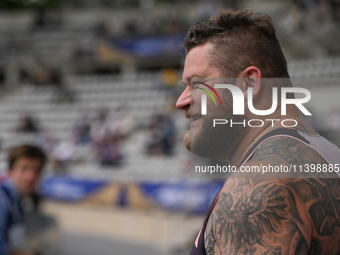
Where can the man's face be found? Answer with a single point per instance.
(203, 139)
(25, 174)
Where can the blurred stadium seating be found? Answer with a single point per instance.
(117, 54)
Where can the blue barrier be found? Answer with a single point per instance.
(67, 188)
(181, 195)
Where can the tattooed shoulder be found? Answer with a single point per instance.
(286, 150)
(277, 216)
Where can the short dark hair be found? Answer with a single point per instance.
(240, 39)
(26, 151)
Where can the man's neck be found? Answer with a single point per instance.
(253, 134)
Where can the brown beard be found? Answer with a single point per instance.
(186, 140)
(218, 142)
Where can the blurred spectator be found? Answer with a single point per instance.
(105, 138)
(123, 126)
(46, 76)
(25, 164)
(62, 155)
(109, 153)
(28, 124)
(162, 138)
(81, 131)
(39, 76)
(102, 126)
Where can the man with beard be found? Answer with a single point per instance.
(295, 213)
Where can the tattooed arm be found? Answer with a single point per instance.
(277, 216)
(258, 217)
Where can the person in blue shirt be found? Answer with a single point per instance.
(24, 169)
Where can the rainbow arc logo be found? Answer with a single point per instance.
(209, 93)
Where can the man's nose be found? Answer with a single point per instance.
(184, 100)
(31, 175)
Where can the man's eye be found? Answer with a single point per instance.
(197, 84)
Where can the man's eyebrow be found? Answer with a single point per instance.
(193, 76)
(196, 76)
